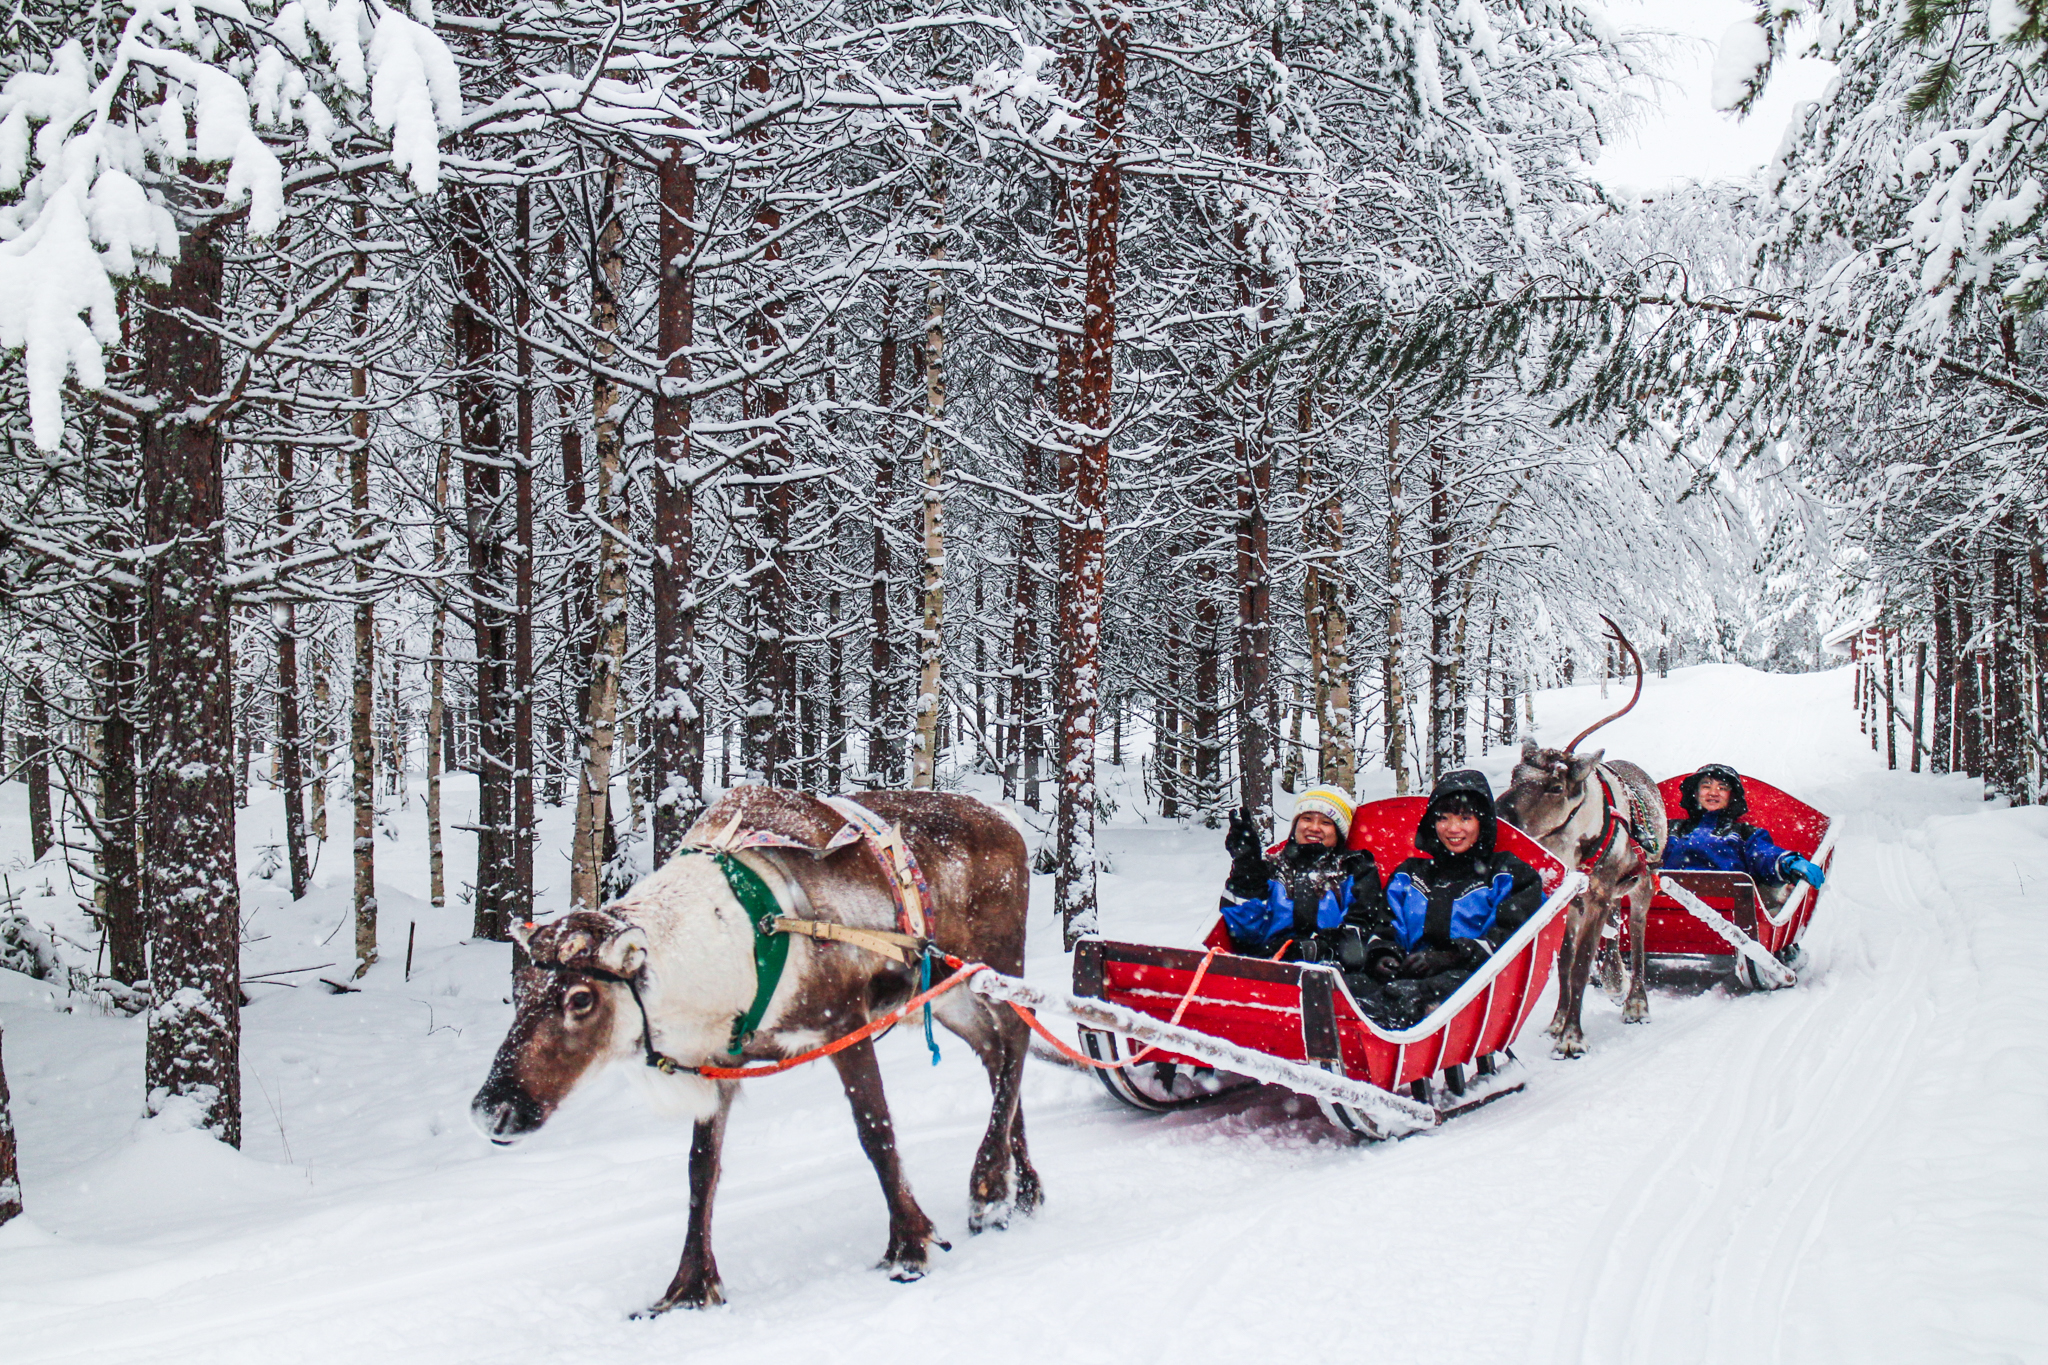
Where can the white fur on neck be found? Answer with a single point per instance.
(700, 974)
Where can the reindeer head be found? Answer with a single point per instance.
(571, 1012)
(1546, 787)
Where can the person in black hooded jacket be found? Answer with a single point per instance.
(1444, 914)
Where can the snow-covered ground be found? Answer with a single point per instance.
(1852, 1170)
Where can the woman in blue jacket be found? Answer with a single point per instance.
(1713, 837)
(1447, 912)
(1307, 891)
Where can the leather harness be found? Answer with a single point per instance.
(736, 853)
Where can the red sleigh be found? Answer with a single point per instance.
(1453, 1061)
(1776, 918)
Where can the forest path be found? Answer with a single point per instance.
(1843, 1171)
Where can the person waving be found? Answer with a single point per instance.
(1296, 901)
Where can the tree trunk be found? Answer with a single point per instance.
(1027, 733)
(363, 675)
(2037, 568)
(323, 741)
(35, 758)
(1392, 689)
(930, 640)
(291, 740)
(1941, 753)
(480, 430)
(1969, 689)
(2004, 737)
(1891, 717)
(594, 788)
(577, 624)
(1088, 497)
(363, 672)
(835, 713)
(193, 1052)
(676, 746)
(519, 892)
(121, 884)
(882, 760)
(1919, 698)
(1441, 759)
(437, 673)
(1254, 460)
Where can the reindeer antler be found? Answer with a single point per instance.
(1634, 658)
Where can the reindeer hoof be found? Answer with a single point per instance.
(1637, 1011)
(993, 1216)
(1569, 1045)
(704, 1295)
(903, 1270)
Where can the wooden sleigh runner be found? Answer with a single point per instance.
(1304, 1018)
(1758, 933)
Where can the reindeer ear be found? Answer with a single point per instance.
(1531, 750)
(522, 934)
(626, 952)
(1583, 765)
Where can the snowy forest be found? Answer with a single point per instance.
(619, 403)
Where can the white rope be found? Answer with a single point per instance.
(1768, 967)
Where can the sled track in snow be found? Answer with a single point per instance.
(1706, 1230)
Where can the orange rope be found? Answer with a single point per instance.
(963, 971)
(867, 1030)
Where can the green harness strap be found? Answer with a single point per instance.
(771, 948)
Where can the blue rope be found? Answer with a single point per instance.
(924, 983)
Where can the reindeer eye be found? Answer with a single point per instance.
(580, 1000)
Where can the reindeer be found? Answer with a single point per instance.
(1606, 819)
(662, 973)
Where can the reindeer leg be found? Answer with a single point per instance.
(1637, 1008)
(696, 1284)
(910, 1232)
(1567, 959)
(1571, 990)
(1030, 1193)
(998, 1037)
(1608, 967)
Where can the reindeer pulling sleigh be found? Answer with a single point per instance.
(795, 928)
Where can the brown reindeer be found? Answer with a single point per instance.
(680, 945)
(1606, 819)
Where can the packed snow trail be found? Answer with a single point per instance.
(1845, 1171)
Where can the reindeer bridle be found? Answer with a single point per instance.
(660, 1061)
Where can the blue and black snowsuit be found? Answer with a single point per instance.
(1304, 892)
(1445, 913)
(1719, 841)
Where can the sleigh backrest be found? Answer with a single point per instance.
(1388, 829)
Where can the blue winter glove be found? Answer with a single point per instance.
(1330, 910)
(1472, 913)
(1799, 867)
(1410, 906)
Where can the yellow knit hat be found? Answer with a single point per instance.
(1330, 801)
